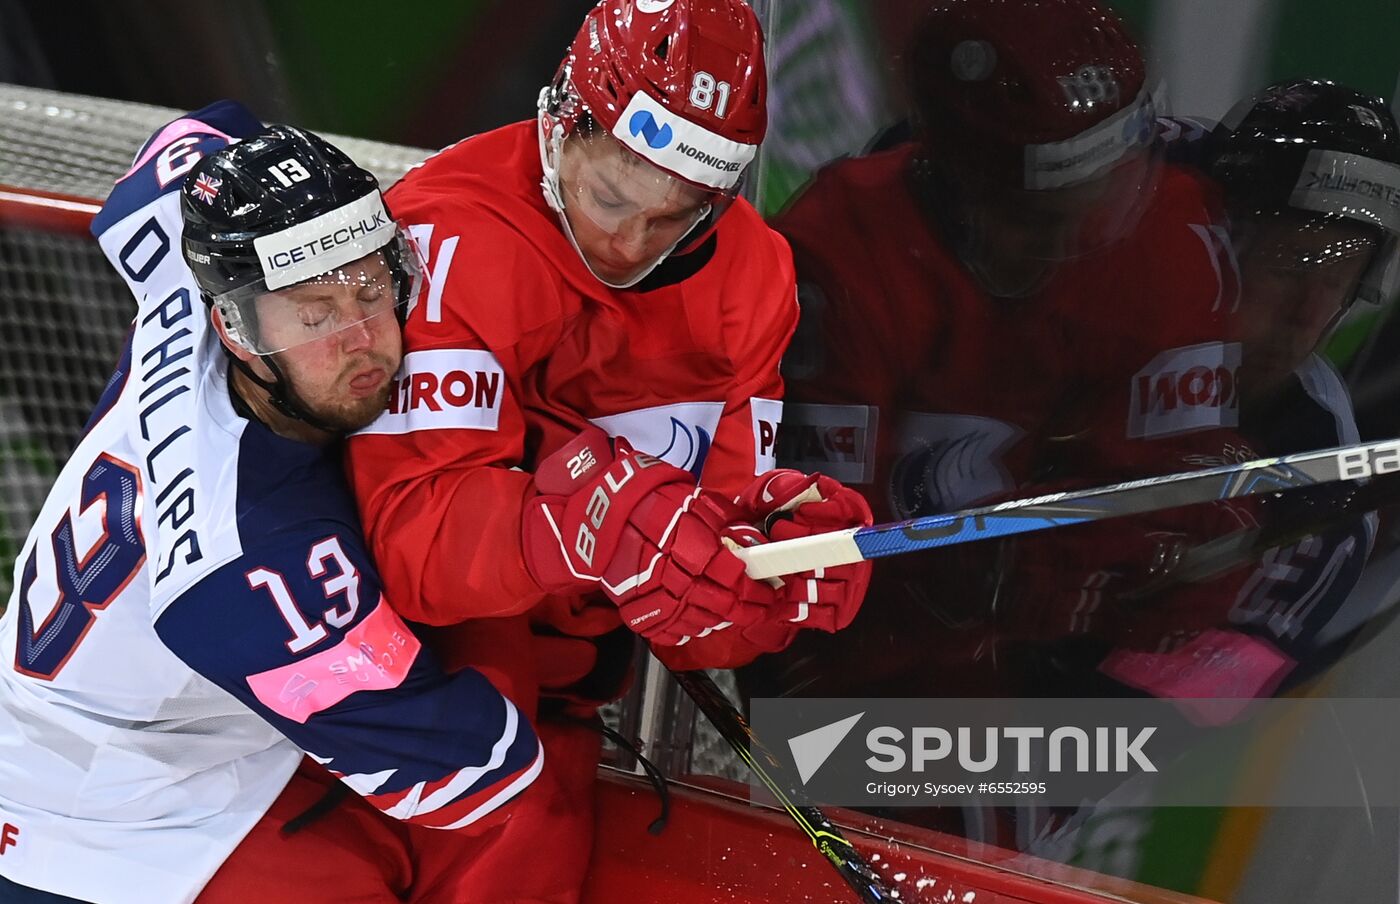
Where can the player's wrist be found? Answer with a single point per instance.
(595, 500)
(544, 548)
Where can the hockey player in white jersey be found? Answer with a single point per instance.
(194, 611)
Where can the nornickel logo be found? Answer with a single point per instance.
(644, 124)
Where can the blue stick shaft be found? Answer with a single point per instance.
(1266, 475)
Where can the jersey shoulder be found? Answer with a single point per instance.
(161, 164)
(854, 211)
(282, 485)
(498, 266)
(841, 191)
(488, 183)
(1181, 250)
(747, 241)
(751, 284)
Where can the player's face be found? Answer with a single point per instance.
(1016, 238)
(1014, 242)
(625, 214)
(342, 341)
(1297, 274)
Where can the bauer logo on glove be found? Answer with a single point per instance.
(661, 548)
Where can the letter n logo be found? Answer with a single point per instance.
(644, 124)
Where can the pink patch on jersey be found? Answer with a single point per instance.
(1223, 670)
(374, 655)
(177, 129)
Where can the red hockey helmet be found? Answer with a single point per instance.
(678, 86)
(1036, 106)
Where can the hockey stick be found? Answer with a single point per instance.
(827, 838)
(1214, 557)
(1265, 475)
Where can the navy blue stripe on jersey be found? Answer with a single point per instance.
(182, 143)
(115, 384)
(397, 745)
(11, 893)
(297, 630)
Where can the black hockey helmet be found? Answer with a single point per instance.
(282, 207)
(1323, 150)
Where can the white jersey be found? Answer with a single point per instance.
(193, 609)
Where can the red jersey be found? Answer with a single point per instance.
(892, 321)
(1122, 349)
(908, 379)
(513, 346)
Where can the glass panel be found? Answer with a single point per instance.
(1031, 261)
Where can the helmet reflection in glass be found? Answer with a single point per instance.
(1037, 133)
(1311, 174)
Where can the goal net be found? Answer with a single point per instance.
(63, 310)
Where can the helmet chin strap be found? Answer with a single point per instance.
(279, 394)
(551, 149)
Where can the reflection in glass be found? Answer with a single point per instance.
(1039, 280)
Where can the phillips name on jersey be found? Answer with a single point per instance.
(194, 611)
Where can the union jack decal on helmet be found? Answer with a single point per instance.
(206, 188)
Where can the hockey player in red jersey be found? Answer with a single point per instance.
(1144, 358)
(602, 329)
(1305, 169)
(996, 301)
(1025, 297)
(1026, 253)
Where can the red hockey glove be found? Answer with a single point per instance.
(642, 532)
(789, 504)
